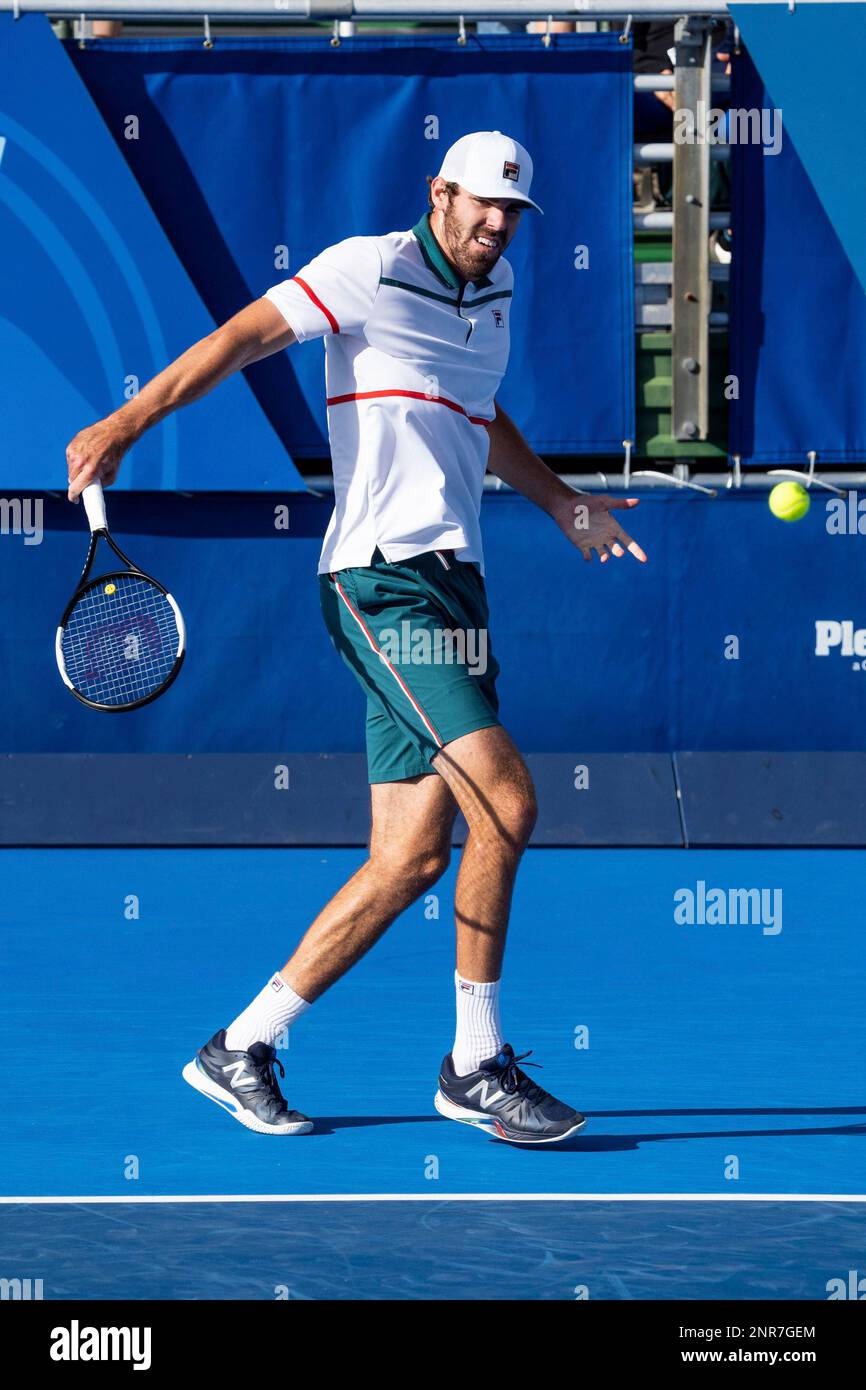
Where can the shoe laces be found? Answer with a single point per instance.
(516, 1082)
(263, 1069)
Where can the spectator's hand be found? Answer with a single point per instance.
(95, 454)
(668, 99)
(587, 522)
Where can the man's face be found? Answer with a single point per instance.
(475, 231)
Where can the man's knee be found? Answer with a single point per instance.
(519, 810)
(508, 813)
(493, 786)
(417, 865)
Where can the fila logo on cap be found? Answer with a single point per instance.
(510, 171)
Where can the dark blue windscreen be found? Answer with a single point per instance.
(262, 144)
(798, 311)
(93, 299)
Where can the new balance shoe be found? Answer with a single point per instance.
(502, 1100)
(244, 1084)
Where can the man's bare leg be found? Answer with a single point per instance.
(410, 846)
(480, 1083)
(494, 790)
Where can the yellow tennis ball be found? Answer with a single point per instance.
(789, 501)
(111, 588)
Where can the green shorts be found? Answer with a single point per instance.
(416, 635)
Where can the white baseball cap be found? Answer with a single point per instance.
(490, 165)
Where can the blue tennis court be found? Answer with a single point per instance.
(712, 1061)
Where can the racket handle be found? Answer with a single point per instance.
(94, 505)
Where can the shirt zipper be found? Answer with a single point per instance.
(468, 322)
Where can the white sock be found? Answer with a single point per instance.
(479, 1034)
(270, 1014)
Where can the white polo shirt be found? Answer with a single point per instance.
(413, 360)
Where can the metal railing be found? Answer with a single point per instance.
(373, 9)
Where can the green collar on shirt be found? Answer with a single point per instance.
(433, 255)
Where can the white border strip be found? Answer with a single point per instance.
(447, 1197)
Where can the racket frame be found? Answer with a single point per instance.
(98, 533)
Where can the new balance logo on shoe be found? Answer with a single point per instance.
(486, 1099)
(241, 1075)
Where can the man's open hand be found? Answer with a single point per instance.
(589, 523)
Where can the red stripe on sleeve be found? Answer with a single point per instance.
(335, 327)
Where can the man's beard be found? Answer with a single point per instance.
(469, 256)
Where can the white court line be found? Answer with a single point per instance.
(450, 1197)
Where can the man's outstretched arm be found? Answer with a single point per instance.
(584, 518)
(256, 332)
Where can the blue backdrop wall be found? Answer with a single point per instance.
(797, 49)
(712, 645)
(305, 144)
(798, 309)
(258, 145)
(93, 298)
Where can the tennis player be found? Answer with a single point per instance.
(416, 325)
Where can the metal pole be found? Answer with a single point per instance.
(665, 82)
(691, 219)
(651, 480)
(658, 152)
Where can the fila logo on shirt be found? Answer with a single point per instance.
(511, 171)
(497, 318)
(241, 1075)
(486, 1099)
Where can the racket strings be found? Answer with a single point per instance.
(120, 641)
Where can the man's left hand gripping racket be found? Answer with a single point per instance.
(121, 640)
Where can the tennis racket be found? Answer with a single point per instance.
(121, 639)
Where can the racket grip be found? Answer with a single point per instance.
(94, 505)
